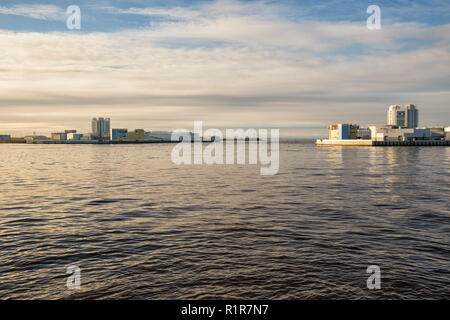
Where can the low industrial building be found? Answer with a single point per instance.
(18, 140)
(447, 133)
(364, 134)
(437, 133)
(136, 135)
(87, 137)
(60, 136)
(35, 139)
(158, 136)
(343, 131)
(5, 138)
(117, 134)
(74, 136)
(394, 133)
(348, 132)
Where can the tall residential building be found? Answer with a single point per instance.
(101, 128)
(405, 117)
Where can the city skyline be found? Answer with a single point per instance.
(297, 67)
(406, 116)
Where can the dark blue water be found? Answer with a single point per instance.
(140, 227)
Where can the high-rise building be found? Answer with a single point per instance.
(107, 128)
(101, 128)
(412, 116)
(94, 126)
(404, 117)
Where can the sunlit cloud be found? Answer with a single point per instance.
(36, 11)
(244, 65)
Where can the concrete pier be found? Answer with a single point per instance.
(349, 142)
(354, 142)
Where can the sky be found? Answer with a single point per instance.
(161, 65)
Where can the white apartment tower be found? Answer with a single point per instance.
(101, 128)
(404, 117)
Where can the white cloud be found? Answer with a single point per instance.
(264, 23)
(268, 72)
(209, 10)
(36, 11)
(176, 13)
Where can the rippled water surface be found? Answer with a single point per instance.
(140, 227)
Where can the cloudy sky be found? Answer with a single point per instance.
(293, 65)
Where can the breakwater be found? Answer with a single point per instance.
(371, 143)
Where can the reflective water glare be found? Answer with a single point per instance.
(140, 227)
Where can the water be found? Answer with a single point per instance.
(140, 227)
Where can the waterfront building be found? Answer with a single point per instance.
(343, 131)
(117, 134)
(18, 140)
(101, 128)
(94, 126)
(447, 133)
(405, 117)
(394, 133)
(35, 139)
(88, 136)
(59, 136)
(5, 138)
(136, 135)
(166, 136)
(437, 133)
(107, 131)
(402, 129)
(364, 133)
(158, 136)
(417, 134)
(74, 136)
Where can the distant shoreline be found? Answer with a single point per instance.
(84, 142)
(373, 143)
